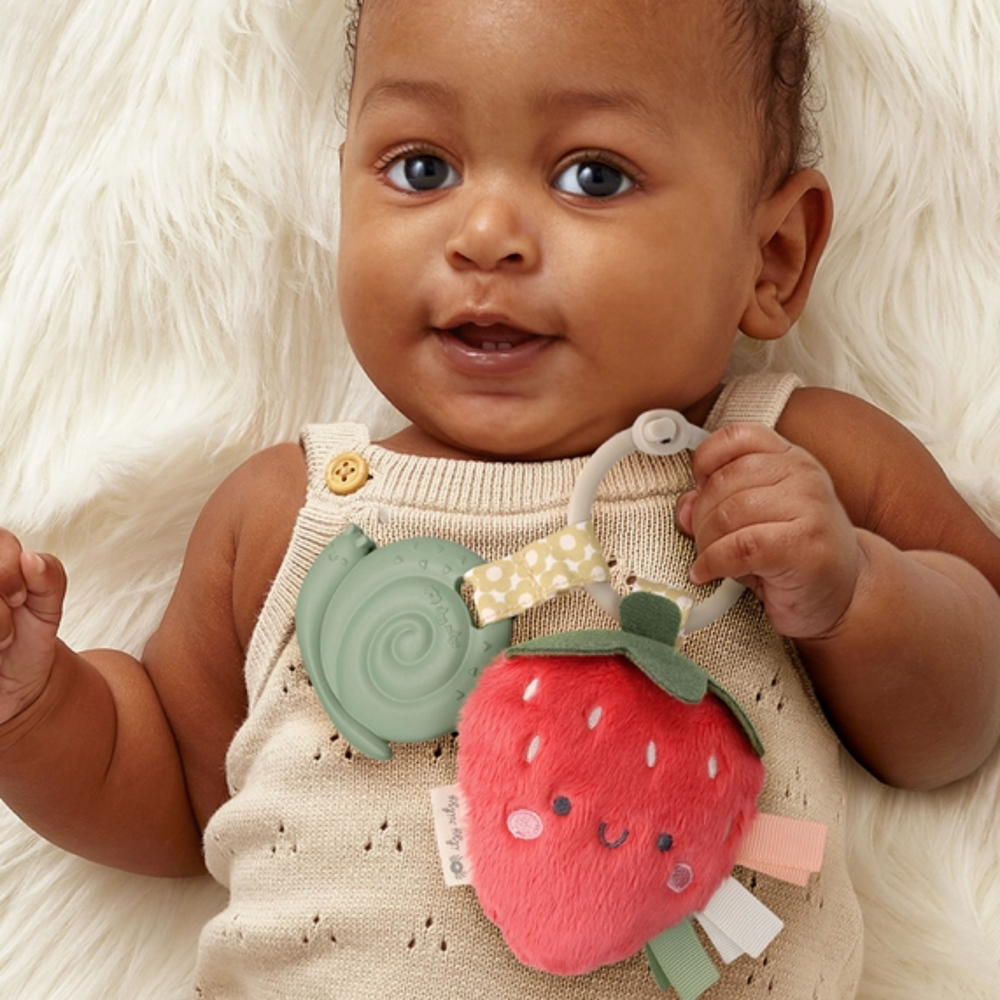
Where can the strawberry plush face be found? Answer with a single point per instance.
(600, 808)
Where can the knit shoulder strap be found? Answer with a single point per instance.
(321, 442)
(753, 399)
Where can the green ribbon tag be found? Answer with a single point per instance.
(677, 958)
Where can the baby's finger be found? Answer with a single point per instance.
(717, 512)
(730, 444)
(684, 512)
(45, 579)
(6, 626)
(13, 590)
(758, 550)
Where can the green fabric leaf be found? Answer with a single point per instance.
(648, 639)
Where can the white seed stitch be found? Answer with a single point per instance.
(713, 767)
(533, 747)
(595, 717)
(531, 690)
(651, 754)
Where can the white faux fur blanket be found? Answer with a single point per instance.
(168, 205)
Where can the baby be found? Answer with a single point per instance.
(556, 216)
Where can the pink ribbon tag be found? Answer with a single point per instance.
(787, 849)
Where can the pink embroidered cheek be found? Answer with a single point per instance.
(525, 824)
(680, 878)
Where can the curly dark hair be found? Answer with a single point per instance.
(772, 42)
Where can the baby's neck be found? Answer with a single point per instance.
(413, 440)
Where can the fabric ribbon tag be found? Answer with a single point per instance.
(784, 848)
(568, 558)
(678, 959)
(738, 923)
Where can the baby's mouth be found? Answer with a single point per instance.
(492, 338)
(491, 347)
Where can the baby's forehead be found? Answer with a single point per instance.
(643, 20)
(662, 34)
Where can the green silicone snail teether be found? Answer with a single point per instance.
(387, 640)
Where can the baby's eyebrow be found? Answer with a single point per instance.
(557, 103)
(393, 89)
(567, 102)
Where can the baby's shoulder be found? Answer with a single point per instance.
(853, 439)
(871, 457)
(251, 517)
(266, 489)
(275, 474)
(887, 480)
(267, 492)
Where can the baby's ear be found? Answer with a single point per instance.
(792, 226)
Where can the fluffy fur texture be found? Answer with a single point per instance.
(167, 244)
(600, 810)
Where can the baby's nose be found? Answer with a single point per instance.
(492, 234)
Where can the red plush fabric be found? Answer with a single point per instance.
(599, 809)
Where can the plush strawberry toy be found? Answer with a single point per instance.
(608, 782)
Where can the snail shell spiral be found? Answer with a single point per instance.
(388, 641)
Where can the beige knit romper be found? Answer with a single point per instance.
(335, 885)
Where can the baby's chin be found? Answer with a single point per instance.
(542, 438)
(487, 446)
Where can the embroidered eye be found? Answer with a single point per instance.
(664, 842)
(561, 806)
(593, 179)
(422, 172)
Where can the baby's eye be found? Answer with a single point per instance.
(593, 179)
(422, 172)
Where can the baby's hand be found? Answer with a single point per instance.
(32, 588)
(766, 513)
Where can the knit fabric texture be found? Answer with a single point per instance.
(335, 885)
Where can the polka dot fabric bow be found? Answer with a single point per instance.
(568, 558)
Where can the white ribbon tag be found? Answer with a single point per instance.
(741, 921)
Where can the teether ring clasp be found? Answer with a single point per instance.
(655, 432)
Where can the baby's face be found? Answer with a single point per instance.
(546, 224)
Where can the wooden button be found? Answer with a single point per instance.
(346, 473)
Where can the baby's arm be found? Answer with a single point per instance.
(121, 761)
(863, 553)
